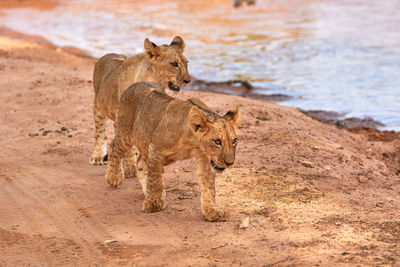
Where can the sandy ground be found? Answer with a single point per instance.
(314, 194)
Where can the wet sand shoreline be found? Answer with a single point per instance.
(244, 88)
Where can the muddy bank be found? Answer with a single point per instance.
(236, 87)
(300, 193)
(340, 121)
(246, 89)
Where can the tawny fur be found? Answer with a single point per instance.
(165, 129)
(114, 73)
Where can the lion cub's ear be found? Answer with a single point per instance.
(233, 115)
(178, 43)
(198, 122)
(151, 50)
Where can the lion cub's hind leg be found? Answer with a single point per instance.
(141, 174)
(100, 150)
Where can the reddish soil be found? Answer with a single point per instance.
(314, 194)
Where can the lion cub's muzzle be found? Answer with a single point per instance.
(176, 87)
(173, 87)
(216, 167)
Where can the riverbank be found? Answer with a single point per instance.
(346, 61)
(246, 89)
(314, 194)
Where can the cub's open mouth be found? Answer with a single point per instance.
(173, 86)
(216, 167)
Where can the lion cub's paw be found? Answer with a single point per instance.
(216, 215)
(99, 159)
(114, 178)
(154, 205)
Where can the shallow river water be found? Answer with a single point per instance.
(335, 55)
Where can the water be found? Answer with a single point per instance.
(336, 55)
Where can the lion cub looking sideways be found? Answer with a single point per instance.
(114, 73)
(165, 129)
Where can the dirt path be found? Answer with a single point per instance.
(314, 194)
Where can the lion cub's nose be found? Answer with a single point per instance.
(186, 81)
(228, 163)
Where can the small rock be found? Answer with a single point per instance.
(315, 148)
(44, 133)
(244, 223)
(183, 198)
(64, 129)
(362, 179)
(108, 241)
(345, 253)
(220, 246)
(257, 122)
(307, 164)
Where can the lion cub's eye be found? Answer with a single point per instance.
(174, 64)
(218, 142)
(234, 142)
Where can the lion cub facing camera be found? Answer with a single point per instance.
(165, 129)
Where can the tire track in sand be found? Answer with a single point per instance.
(37, 212)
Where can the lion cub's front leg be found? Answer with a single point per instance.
(154, 199)
(207, 183)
